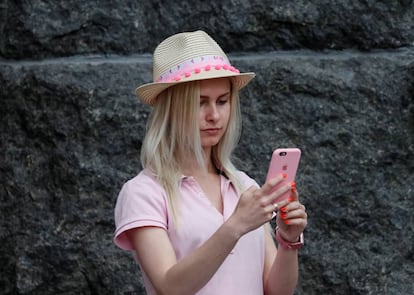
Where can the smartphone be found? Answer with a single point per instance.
(284, 160)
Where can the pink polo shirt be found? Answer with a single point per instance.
(143, 202)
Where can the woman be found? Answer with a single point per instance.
(195, 223)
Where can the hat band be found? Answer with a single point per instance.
(195, 66)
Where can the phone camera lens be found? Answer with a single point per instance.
(282, 154)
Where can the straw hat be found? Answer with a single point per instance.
(185, 57)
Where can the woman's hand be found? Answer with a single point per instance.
(292, 218)
(256, 205)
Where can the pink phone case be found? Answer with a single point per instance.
(284, 161)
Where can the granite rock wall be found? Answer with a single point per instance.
(334, 78)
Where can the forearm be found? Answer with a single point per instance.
(283, 275)
(191, 273)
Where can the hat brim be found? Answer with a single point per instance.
(148, 92)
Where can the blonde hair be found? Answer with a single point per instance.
(173, 136)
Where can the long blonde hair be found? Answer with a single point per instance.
(173, 136)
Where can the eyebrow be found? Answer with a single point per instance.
(220, 96)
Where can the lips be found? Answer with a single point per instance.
(211, 131)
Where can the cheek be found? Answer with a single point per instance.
(225, 113)
(201, 115)
(201, 118)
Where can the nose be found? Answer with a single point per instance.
(212, 112)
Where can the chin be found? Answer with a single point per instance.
(209, 143)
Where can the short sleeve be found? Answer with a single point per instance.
(141, 202)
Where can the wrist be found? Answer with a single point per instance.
(233, 229)
(288, 244)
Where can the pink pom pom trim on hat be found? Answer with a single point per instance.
(195, 66)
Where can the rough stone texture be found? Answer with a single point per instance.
(353, 117)
(39, 28)
(71, 129)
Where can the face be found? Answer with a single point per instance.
(214, 110)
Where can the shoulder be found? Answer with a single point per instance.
(144, 180)
(141, 192)
(141, 202)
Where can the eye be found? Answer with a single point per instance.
(223, 100)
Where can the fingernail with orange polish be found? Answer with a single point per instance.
(284, 175)
(293, 184)
(286, 221)
(283, 209)
(291, 199)
(283, 215)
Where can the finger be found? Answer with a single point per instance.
(275, 207)
(272, 183)
(272, 210)
(280, 194)
(295, 213)
(290, 214)
(302, 222)
(251, 190)
(293, 206)
(292, 210)
(281, 205)
(294, 196)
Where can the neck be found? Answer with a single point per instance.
(192, 167)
